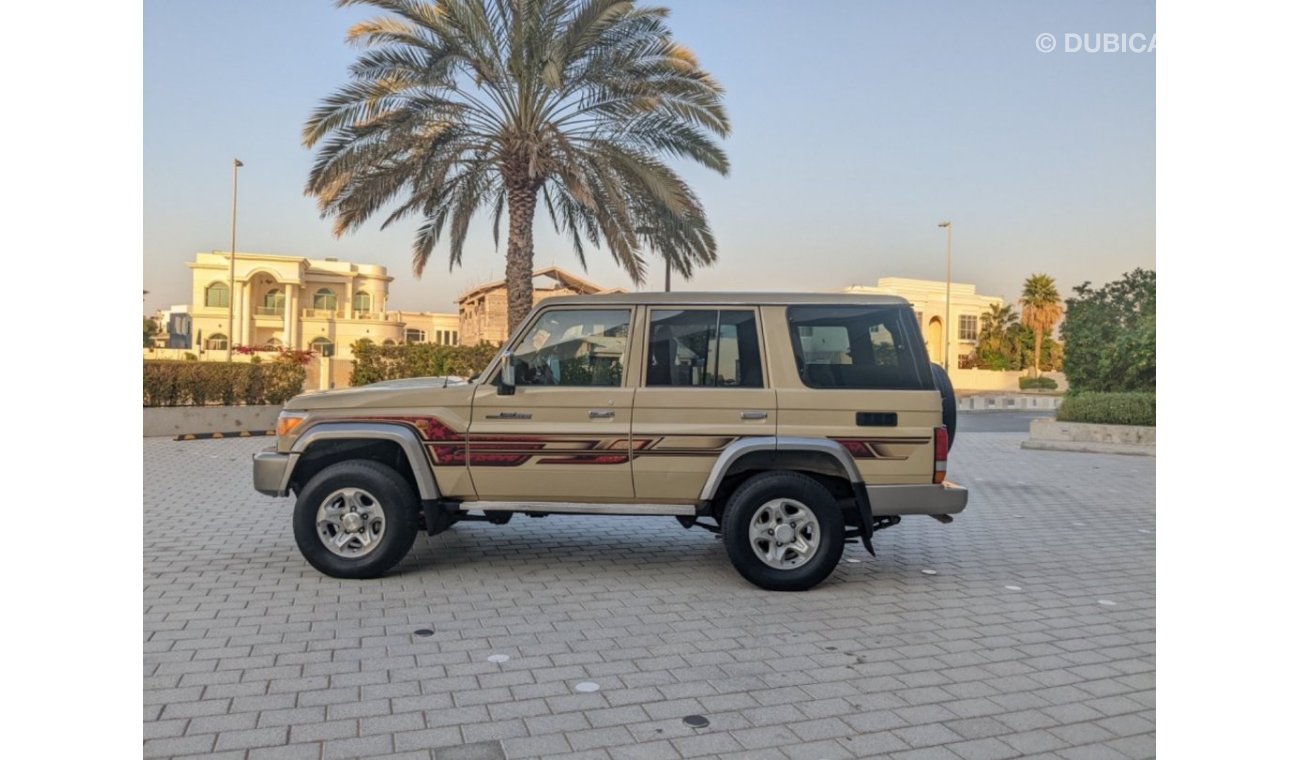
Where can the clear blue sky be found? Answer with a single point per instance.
(858, 126)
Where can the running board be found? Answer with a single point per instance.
(565, 508)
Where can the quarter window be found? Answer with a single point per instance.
(856, 347)
(574, 347)
(703, 349)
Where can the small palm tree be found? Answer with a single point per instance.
(994, 324)
(1040, 310)
(467, 105)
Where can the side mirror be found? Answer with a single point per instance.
(506, 381)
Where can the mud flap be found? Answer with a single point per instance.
(864, 510)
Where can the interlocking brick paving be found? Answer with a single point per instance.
(250, 653)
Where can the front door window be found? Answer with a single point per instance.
(574, 348)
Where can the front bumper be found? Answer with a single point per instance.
(920, 499)
(271, 471)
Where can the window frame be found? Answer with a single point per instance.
(642, 380)
(974, 330)
(370, 302)
(493, 374)
(316, 296)
(208, 297)
(909, 337)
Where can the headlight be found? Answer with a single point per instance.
(287, 421)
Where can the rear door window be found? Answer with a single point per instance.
(863, 347)
(703, 349)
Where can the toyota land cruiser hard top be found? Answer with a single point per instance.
(786, 422)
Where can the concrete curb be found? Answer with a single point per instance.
(194, 420)
(1052, 435)
(1090, 447)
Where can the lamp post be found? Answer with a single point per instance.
(230, 295)
(947, 297)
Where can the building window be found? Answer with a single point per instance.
(323, 346)
(325, 300)
(272, 302)
(217, 342)
(361, 302)
(455, 338)
(217, 294)
(415, 336)
(389, 342)
(967, 327)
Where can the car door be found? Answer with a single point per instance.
(703, 385)
(563, 433)
(858, 375)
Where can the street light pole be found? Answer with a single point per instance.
(947, 297)
(230, 295)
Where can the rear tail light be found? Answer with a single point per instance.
(940, 454)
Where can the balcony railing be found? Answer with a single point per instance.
(269, 311)
(320, 313)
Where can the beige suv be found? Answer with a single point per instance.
(787, 423)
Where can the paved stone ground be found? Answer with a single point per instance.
(249, 653)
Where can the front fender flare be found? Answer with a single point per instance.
(403, 436)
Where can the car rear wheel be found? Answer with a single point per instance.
(783, 531)
(355, 519)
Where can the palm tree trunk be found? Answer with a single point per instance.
(522, 198)
(1038, 349)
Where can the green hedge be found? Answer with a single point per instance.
(186, 383)
(1037, 383)
(1131, 408)
(372, 363)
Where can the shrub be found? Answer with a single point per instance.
(372, 363)
(194, 383)
(1037, 383)
(1131, 408)
(1111, 334)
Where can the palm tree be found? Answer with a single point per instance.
(994, 324)
(465, 105)
(1040, 310)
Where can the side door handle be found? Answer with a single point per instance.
(753, 415)
(600, 414)
(510, 416)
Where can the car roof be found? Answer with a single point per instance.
(727, 299)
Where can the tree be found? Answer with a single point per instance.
(1111, 332)
(467, 105)
(991, 348)
(1040, 310)
(150, 330)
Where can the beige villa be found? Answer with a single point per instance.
(928, 299)
(483, 308)
(323, 305)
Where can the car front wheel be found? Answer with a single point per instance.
(355, 519)
(783, 531)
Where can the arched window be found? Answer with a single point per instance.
(323, 346)
(217, 294)
(361, 302)
(217, 342)
(389, 342)
(325, 300)
(273, 302)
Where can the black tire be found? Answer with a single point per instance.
(944, 385)
(754, 495)
(397, 526)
